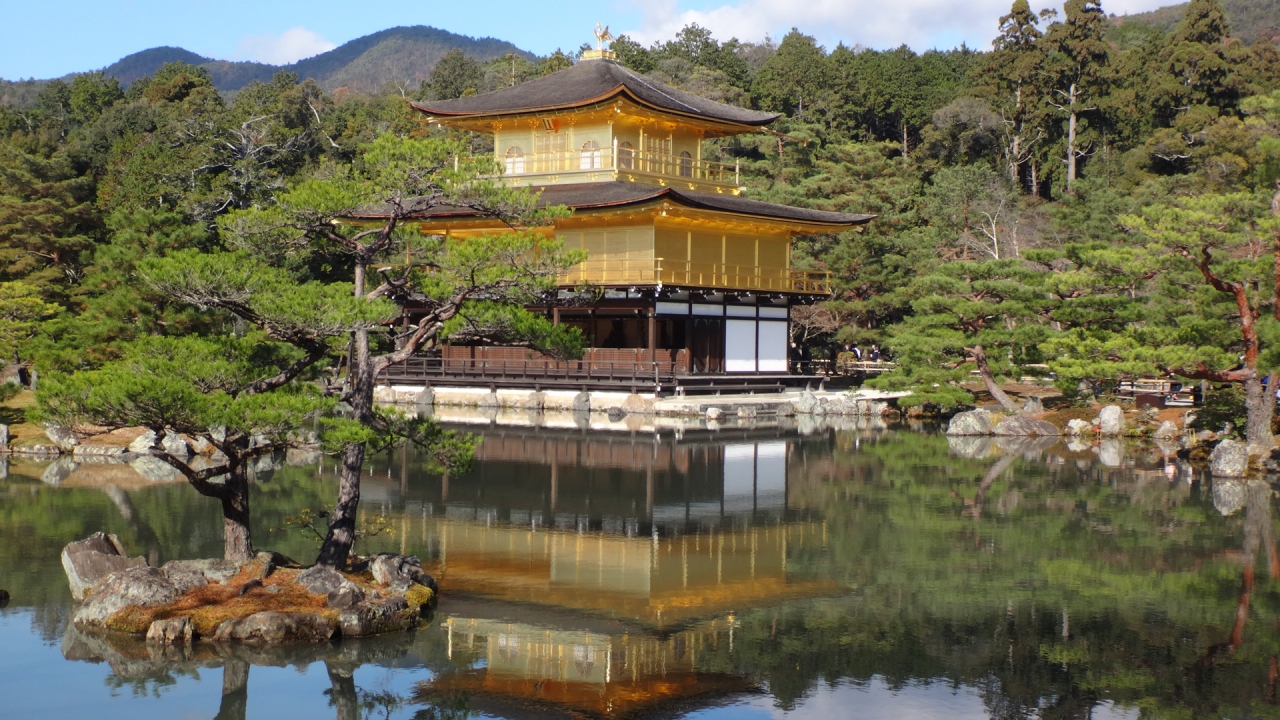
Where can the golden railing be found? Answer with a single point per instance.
(712, 275)
(620, 159)
(680, 168)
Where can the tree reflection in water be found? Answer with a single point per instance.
(684, 571)
(235, 691)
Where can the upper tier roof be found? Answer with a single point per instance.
(588, 82)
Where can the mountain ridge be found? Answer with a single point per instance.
(1250, 20)
(365, 64)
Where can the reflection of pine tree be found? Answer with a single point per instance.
(235, 690)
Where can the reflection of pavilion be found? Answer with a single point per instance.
(578, 670)
(660, 533)
(655, 581)
(626, 484)
(625, 560)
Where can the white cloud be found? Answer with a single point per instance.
(921, 24)
(287, 47)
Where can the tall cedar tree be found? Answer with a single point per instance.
(1014, 73)
(1079, 72)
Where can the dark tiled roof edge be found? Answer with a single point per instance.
(619, 194)
(589, 82)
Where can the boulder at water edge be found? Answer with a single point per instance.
(1022, 425)
(275, 628)
(137, 586)
(143, 443)
(1077, 426)
(1167, 431)
(635, 404)
(97, 556)
(1230, 459)
(64, 438)
(425, 400)
(175, 445)
(805, 404)
(974, 422)
(170, 631)
(1111, 420)
(399, 571)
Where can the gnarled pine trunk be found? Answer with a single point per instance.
(342, 524)
(1260, 406)
(984, 370)
(237, 544)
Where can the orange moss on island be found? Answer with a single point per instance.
(210, 605)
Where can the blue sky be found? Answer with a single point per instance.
(53, 38)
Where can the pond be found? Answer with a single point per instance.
(748, 571)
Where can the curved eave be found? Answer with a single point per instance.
(819, 225)
(808, 226)
(618, 91)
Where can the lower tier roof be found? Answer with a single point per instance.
(590, 196)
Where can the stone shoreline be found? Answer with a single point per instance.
(267, 600)
(1226, 457)
(806, 402)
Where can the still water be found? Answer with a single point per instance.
(737, 572)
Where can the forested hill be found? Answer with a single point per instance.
(1072, 200)
(1250, 19)
(361, 65)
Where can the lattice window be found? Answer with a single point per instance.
(686, 164)
(592, 158)
(626, 156)
(549, 150)
(515, 160)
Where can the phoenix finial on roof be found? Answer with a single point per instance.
(602, 36)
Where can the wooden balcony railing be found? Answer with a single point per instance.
(623, 160)
(604, 367)
(710, 275)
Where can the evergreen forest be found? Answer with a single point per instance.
(1090, 199)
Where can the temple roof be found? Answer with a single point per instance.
(589, 82)
(590, 196)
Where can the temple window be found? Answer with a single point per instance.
(591, 156)
(515, 160)
(626, 156)
(686, 164)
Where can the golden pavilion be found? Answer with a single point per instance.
(697, 281)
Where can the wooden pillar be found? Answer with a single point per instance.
(700, 174)
(653, 335)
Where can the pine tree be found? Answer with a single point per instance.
(476, 288)
(238, 394)
(985, 316)
(1184, 296)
